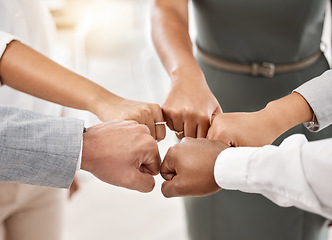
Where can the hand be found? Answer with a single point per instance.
(244, 129)
(262, 127)
(189, 108)
(121, 153)
(188, 168)
(141, 112)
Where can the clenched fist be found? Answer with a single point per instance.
(122, 153)
(188, 168)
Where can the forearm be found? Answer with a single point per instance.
(287, 112)
(28, 71)
(38, 149)
(172, 41)
(313, 97)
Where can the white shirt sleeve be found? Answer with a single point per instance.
(318, 93)
(297, 173)
(5, 39)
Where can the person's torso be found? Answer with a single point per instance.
(260, 30)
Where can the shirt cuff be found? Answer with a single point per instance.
(317, 92)
(79, 161)
(231, 168)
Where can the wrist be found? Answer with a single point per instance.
(187, 74)
(101, 101)
(288, 112)
(85, 160)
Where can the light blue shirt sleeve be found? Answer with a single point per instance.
(38, 149)
(318, 93)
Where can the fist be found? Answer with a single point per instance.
(188, 168)
(122, 153)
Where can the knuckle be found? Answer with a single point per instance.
(137, 116)
(189, 113)
(204, 119)
(143, 128)
(171, 151)
(147, 109)
(155, 106)
(149, 144)
(132, 122)
(172, 112)
(186, 140)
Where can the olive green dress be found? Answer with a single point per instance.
(246, 31)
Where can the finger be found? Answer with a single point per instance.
(143, 182)
(210, 133)
(216, 112)
(178, 125)
(142, 128)
(213, 134)
(125, 122)
(169, 188)
(160, 132)
(202, 129)
(179, 135)
(149, 121)
(167, 169)
(190, 129)
(168, 119)
(179, 128)
(151, 165)
(160, 129)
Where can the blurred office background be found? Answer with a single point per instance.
(108, 41)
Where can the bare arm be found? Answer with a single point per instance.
(28, 71)
(262, 127)
(171, 36)
(190, 104)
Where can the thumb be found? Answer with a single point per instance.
(215, 113)
(148, 157)
(170, 188)
(167, 169)
(210, 133)
(142, 182)
(151, 164)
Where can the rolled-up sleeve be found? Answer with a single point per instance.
(5, 39)
(318, 93)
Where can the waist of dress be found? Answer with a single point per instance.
(264, 69)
